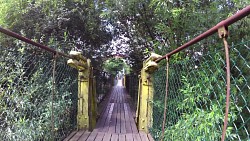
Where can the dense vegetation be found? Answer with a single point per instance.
(133, 28)
(115, 65)
(196, 99)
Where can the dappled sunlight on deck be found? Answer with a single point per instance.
(116, 122)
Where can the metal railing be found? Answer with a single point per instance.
(39, 91)
(38, 94)
(202, 96)
(132, 86)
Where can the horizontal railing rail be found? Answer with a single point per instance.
(197, 83)
(26, 40)
(229, 21)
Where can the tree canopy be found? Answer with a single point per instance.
(137, 27)
(102, 28)
(115, 65)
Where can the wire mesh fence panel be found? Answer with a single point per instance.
(26, 90)
(103, 84)
(132, 83)
(197, 95)
(65, 101)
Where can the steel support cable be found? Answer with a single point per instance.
(228, 85)
(26, 40)
(148, 83)
(165, 100)
(52, 96)
(238, 16)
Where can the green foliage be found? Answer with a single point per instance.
(196, 98)
(198, 126)
(161, 26)
(70, 25)
(26, 96)
(196, 85)
(114, 65)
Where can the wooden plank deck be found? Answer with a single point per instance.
(115, 124)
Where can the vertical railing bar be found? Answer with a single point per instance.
(165, 100)
(223, 33)
(52, 97)
(228, 89)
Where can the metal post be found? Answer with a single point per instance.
(145, 94)
(85, 117)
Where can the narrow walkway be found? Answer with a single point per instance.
(115, 124)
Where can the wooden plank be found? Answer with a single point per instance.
(137, 137)
(101, 121)
(113, 120)
(114, 137)
(120, 95)
(92, 136)
(111, 100)
(70, 136)
(77, 135)
(116, 96)
(123, 95)
(121, 137)
(84, 136)
(150, 138)
(132, 121)
(129, 137)
(127, 119)
(118, 119)
(143, 136)
(105, 127)
(99, 136)
(133, 109)
(107, 137)
(115, 100)
(123, 122)
(107, 114)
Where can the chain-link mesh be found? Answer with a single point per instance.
(197, 94)
(103, 84)
(26, 89)
(132, 83)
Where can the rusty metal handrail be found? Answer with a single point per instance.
(239, 15)
(221, 28)
(26, 40)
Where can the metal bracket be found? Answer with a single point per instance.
(223, 32)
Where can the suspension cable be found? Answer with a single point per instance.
(52, 96)
(26, 40)
(165, 101)
(223, 33)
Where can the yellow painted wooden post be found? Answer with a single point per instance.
(85, 118)
(145, 94)
(124, 81)
(83, 98)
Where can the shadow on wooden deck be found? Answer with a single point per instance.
(116, 122)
